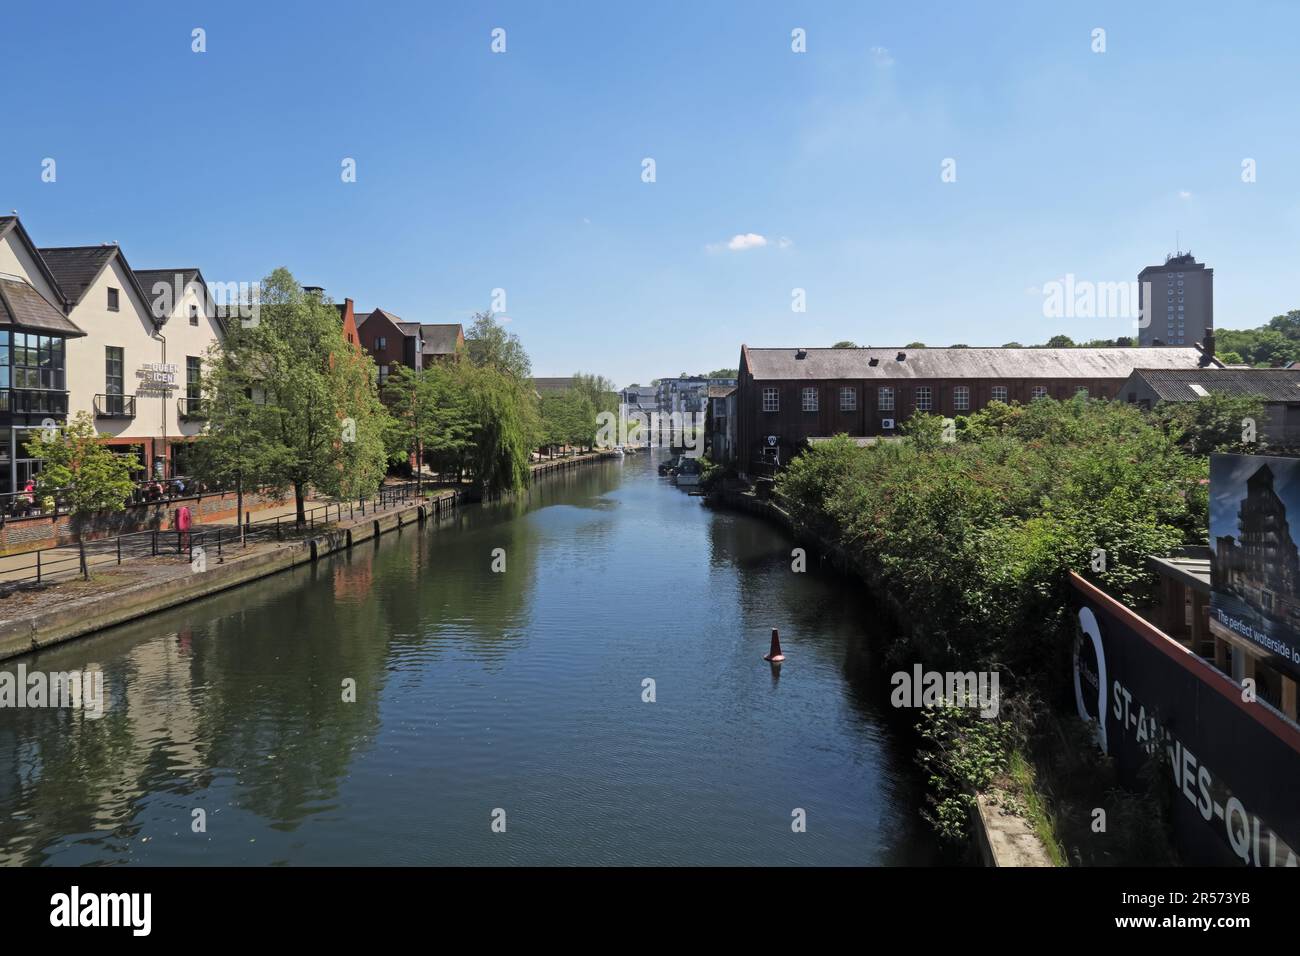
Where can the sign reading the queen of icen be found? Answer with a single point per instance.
(1255, 570)
(1232, 765)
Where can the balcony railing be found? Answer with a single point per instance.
(190, 409)
(33, 401)
(114, 406)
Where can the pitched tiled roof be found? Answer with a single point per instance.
(871, 363)
(441, 339)
(21, 306)
(406, 328)
(1180, 385)
(13, 224)
(150, 277)
(76, 267)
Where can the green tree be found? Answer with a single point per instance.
(429, 415)
(79, 472)
(599, 391)
(490, 344)
(924, 430)
(320, 423)
(728, 372)
(1212, 423)
(1060, 342)
(235, 451)
(568, 418)
(506, 426)
(845, 344)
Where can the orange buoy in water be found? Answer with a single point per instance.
(775, 655)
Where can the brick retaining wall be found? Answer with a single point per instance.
(42, 531)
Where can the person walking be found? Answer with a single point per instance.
(183, 525)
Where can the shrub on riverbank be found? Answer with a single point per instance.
(971, 538)
(969, 534)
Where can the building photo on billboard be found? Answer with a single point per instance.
(1255, 571)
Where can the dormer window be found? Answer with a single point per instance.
(112, 300)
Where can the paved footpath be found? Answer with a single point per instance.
(65, 562)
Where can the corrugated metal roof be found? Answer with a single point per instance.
(1180, 385)
(988, 363)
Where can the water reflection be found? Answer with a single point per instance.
(476, 689)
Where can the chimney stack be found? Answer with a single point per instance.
(1207, 348)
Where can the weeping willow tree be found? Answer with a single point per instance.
(505, 427)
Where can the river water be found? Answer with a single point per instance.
(512, 697)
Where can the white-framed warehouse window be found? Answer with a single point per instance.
(999, 393)
(885, 398)
(924, 398)
(1038, 391)
(848, 399)
(810, 399)
(961, 398)
(771, 400)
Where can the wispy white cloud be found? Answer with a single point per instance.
(1184, 194)
(880, 55)
(744, 241)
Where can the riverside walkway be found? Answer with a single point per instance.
(120, 590)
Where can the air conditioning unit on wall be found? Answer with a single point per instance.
(887, 424)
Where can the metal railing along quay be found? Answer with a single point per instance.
(27, 504)
(205, 542)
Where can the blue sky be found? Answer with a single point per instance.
(1228, 477)
(522, 170)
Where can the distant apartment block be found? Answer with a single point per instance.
(689, 394)
(1177, 302)
(640, 399)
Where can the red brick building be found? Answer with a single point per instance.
(390, 342)
(787, 396)
(348, 317)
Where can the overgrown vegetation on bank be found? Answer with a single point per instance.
(970, 536)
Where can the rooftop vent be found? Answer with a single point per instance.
(873, 361)
(801, 354)
(902, 356)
